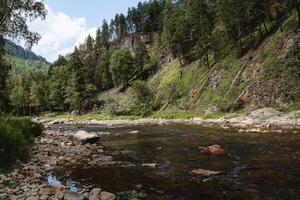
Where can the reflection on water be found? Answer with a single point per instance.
(256, 166)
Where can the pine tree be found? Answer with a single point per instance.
(76, 90)
(202, 23)
(105, 35)
(105, 77)
(89, 61)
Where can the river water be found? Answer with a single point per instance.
(255, 166)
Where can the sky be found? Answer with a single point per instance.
(69, 22)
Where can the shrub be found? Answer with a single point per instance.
(140, 98)
(16, 138)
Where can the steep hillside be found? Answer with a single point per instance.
(20, 52)
(267, 76)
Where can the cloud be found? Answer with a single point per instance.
(60, 33)
(82, 37)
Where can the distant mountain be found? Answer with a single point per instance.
(20, 52)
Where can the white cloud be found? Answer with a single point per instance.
(83, 35)
(60, 33)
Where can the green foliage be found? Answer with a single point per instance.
(76, 87)
(28, 86)
(283, 75)
(15, 13)
(141, 99)
(189, 30)
(4, 74)
(58, 78)
(122, 67)
(289, 108)
(17, 137)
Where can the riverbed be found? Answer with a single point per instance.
(156, 162)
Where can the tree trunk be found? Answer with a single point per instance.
(279, 21)
(266, 29)
(207, 59)
(298, 11)
(260, 32)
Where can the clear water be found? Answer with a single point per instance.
(256, 166)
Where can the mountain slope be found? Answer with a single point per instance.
(266, 76)
(20, 52)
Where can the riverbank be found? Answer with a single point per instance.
(265, 120)
(34, 180)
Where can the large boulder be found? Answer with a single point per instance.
(107, 196)
(83, 137)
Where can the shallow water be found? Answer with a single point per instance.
(256, 166)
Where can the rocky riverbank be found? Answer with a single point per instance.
(265, 120)
(55, 148)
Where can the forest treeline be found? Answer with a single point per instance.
(188, 29)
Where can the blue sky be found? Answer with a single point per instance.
(69, 22)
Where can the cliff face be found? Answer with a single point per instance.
(20, 52)
(132, 41)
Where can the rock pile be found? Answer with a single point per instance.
(29, 181)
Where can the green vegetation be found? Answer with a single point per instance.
(17, 137)
(179, 57)
(121, 67)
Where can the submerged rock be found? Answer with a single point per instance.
(134, 132)
(205, 172)
(213, 150)
(151, 165)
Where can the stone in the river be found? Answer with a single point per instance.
(32, 198)
(213, 150)
(205, 172)
(151, 165)
(47, 190)
(44, 197)
(13, 197)
(95, 194)
(96, 191)
(107, 196)
(159, 148)
(83, 137)
(58, 187)
(134, 132)
(73, 196)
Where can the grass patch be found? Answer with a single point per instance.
(180, 114)
(17, 137)
(89, 116)
(290, 108)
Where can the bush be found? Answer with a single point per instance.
(140, 99)
(17, 137)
